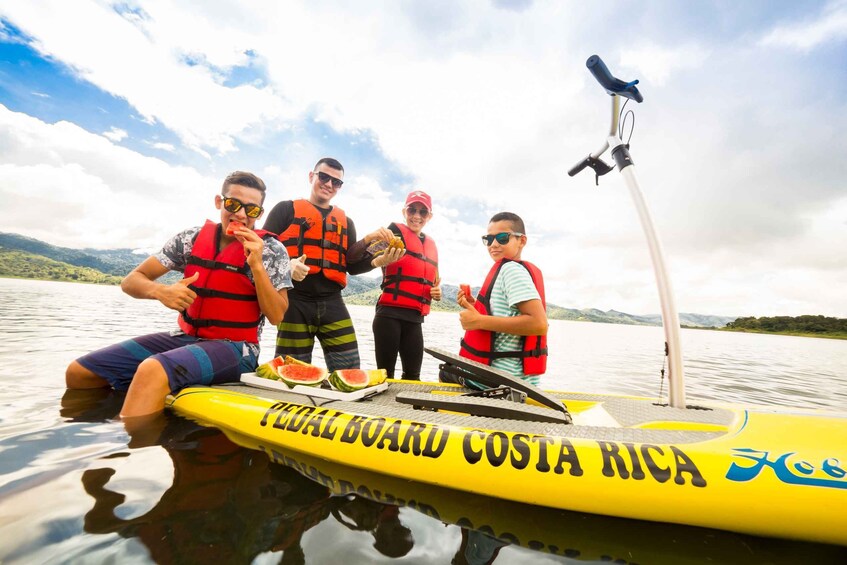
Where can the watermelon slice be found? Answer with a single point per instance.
(289, 360)
(295, 374)
(349, 380)
(233, 226)
(268, 370)
(466, 290)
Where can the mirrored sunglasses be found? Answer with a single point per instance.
(233, 205)
(502, 238)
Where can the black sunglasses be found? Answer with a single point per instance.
(233, 205)
(422, 212)
(325, 178)
(502, 237)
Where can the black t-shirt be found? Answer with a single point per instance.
(318, 287)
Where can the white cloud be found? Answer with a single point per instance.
(485, 109)
(829, 26)
(73, 188)
(163, 146)
(146, 66)
(115, 134)
(656, 64)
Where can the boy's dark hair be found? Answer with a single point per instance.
(330, 162)
(517, 222)
(242, 178)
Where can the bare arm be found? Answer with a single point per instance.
(141, 283)
(532, 319)
(272, 302)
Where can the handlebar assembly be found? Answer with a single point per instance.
(616, 88)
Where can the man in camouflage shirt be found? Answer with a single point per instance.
(235, 278)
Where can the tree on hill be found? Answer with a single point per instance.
(24, 265)
(787, 324)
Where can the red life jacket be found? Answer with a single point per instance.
(479, 344)
(226, 306)
(324, 241)
(407, 283)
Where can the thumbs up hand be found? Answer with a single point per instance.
(470, 318)
(179, 295)
(299, 269)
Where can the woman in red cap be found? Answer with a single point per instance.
(408, 287)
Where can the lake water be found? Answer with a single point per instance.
(75, 488)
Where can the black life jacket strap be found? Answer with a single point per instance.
(326, 264)
(395, 292)
(392, 280)
(205, 322)
(216, 265)
(537, 352)
(210, 293)
(422, 257)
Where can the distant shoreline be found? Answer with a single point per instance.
(357, 300)
(64, 280)
(795, 334)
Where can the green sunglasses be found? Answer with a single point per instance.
(502, 238)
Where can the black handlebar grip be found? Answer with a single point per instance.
(579, 166)
(612, 85)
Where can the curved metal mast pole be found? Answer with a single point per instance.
(620, 152)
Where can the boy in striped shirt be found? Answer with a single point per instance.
(506, 324)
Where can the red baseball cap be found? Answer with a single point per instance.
(421, 197)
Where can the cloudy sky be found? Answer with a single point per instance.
(118, 121)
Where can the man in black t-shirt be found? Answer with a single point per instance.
(318, 237)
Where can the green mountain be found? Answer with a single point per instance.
(116, 262)
(25, 257)
(20, 264)
(364, 291)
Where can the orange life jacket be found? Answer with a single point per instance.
(324, 241)
(479, 344)
(407, 283)
(226, 306)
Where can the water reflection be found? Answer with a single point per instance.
(477, 548)
(494, 530)
(76, 487)
(226, 503)
(382, 521)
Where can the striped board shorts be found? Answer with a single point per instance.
(187, 360)
(329, 321)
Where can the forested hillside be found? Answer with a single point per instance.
(19, 264)
(821, 326)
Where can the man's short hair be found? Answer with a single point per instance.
(329, 162)
(517, 222)
(242, 178)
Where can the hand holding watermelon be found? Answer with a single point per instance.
(465, 290)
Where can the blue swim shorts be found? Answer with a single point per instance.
(187, 360)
